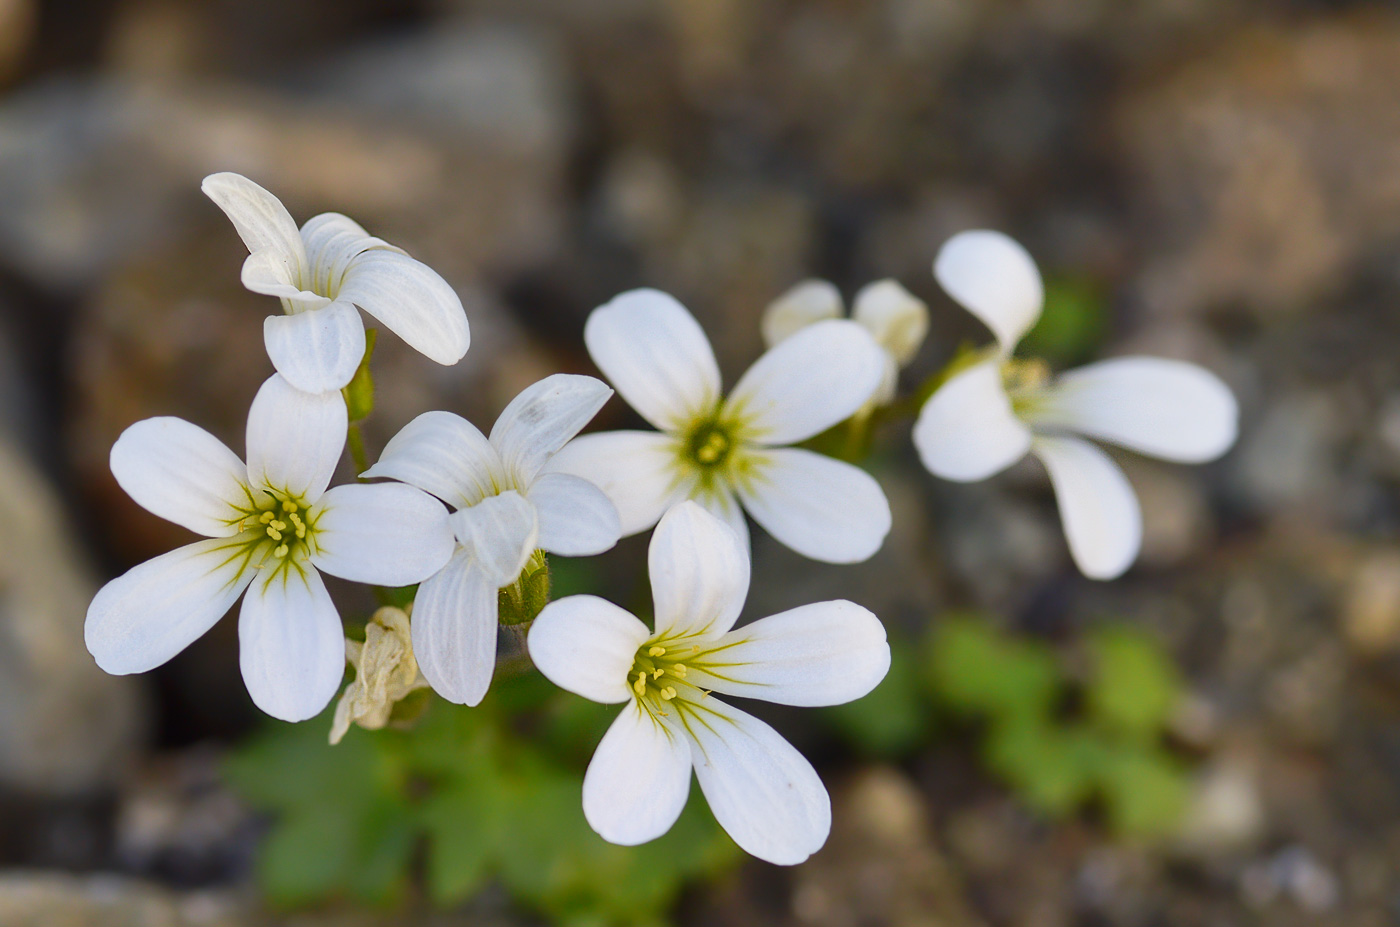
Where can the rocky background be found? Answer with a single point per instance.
(1225, 174)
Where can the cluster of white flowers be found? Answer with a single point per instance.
(470, 518)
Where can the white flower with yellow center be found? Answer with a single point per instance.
(506, 509)
(722, 451)
(272, 527)
(321, 273)
(895, 318)
(990, 414)
(761, 790)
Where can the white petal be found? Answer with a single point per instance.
(260, 218)
(271, 273)
(818, 377)
(294, 439)
(576, 518)
(808, 302)
(183, 474)
(1166, 408)
(587, 645)
(443, 454)
(543, 418)
(995, 279)
(761, 790)
(897, 318)
(158, 608)
(822, 508)
(291, 647)
(699, 573)
(636, 470)
(724, 505)
(411, 300)
(387, 534)
(316, 350)
(656, 355)
(638, 779)
(1103, 522)
(967, 430)
(454, 630)
(332, 242)
(503, 532)
(828, 653)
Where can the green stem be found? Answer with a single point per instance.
(356, 441)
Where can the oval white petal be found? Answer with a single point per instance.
(272, 273)
(316, 350)
(808, 302)
(291, 647)
(411, 300)
(636, 470)
(586, 645)
(1103, 522)
(897, 318)
(817, 378)
(822, 508)
(294, 439)
(443, 454)
(576, 518)
(158, 608)
(387, 534)
(967, 430)
(638, 779)
(762, 791)
(543, 418)
(183, 474)
(1165, 408)
(333, 241)
(828, 653)
(995, 279)
(502, 531)
(724, 505)
(699, 573)
(656, 355)
(260, 218)
(454, 630)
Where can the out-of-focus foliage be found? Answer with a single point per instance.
(1061, 742)
(486, 793)
(1071, 327)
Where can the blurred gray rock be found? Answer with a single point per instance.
(65, 726)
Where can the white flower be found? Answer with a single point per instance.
(760, 789)
(989, 415)
(505, 509)
(385, 674)
(896, 318)
(720, 451)
(321, 273)
(272, 526)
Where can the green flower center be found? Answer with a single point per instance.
(1024, 382)
(284, 524)
(658, 675)
(710, 444)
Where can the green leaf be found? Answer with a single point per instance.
(359, 392)
(895, 719)
(1052, 768)
(1135, 686)
(977, 669)
(1145, 791)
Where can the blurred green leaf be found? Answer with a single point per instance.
(1134, 687)
(978, 669)
(1051, 766)
(359, 392)
(893, 720)
(1071, 326)
(1145, 791)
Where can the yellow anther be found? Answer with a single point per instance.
(679, 670)
(301, 531)
(668, 693)
(278, 524)
(658, 673)
(656, 651)
(281, 551)
(289, 506)
(640, 686)
(274, 533)
(265, 517)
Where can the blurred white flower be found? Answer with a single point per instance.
(721, 451)
(321, 273)
(896, 318)
(990, 414)
(761, 790)
(505, 509)
(385, 673)
(272, 526)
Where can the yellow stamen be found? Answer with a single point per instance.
(668, 693)
(656, 651)
(657, 673)
(265, 517)
(679, 670)
(640, 686)
(280, 551)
